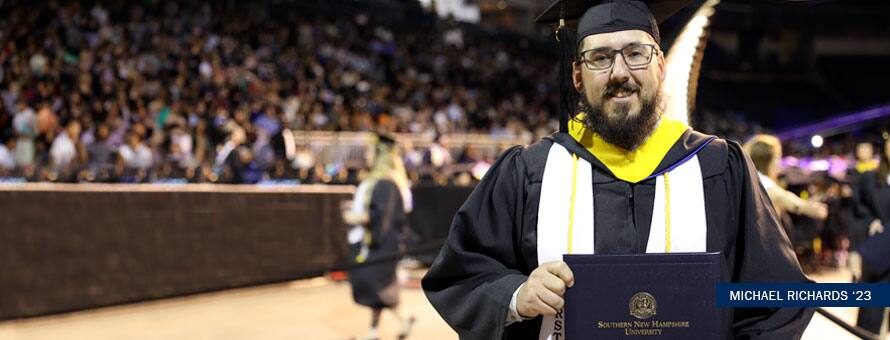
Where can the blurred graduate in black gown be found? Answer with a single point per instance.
(875, 250)
(379, 213)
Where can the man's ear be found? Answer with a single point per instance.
(577, 80)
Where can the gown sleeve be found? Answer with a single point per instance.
(474, 276)
(763, 254)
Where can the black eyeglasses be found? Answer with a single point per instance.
(636, 56)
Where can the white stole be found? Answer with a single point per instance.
(678, 218)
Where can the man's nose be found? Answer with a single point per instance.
(620, 71)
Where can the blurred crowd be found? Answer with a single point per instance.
(177, 91)
(203, 92)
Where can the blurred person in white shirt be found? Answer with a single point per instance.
(64, 151)
(135, 154)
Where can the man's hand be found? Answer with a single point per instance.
(542, 293)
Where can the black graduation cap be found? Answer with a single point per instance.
(594, 17)
(385, 144)
(385, 139)
(572, 10)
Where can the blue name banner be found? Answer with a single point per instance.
(803, 295)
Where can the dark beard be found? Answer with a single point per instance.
(626, 133)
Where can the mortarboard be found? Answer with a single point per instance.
(385, 139)
(384, 145)
(572, 10)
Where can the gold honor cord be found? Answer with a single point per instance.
(572, 200)
(366, 243)
(667, 214)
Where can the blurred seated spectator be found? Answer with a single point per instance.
(135, 154)
(67, 151)
(7, 158)
(99, 152)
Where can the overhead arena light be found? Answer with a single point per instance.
(684, 62)
(816, 141)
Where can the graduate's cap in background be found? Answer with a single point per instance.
(385, 142)
(387, 139)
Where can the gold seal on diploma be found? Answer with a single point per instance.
(642, 305)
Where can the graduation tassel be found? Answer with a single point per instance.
(565, 37)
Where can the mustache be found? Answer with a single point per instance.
(616, 87)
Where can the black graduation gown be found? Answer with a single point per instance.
(875, 249)
(373, 285)
(492, 248)
(861, 215)
(875, 198)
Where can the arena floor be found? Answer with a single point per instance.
(306, 309)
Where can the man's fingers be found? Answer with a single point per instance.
(542, 293)
(543, 307)
(561, 270)
(552, 300)
(554, 284)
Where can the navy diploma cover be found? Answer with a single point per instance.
(664, 296)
